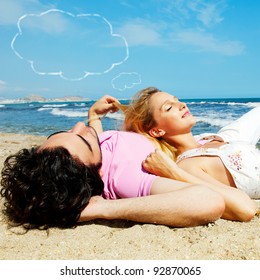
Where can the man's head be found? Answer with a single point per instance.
(50, 185)
(81, 142)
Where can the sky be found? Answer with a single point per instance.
(190, 48)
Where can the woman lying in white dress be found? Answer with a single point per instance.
(228, 158)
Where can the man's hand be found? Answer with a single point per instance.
(95, 209)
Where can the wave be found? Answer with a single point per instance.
(213, 121)
(116, 116)
(69, 113)
(253, 104)
(2, 106)
(72, 113)
(43, 109)
(80, 104)
(54, 105)
(50, 107)
(247, 104)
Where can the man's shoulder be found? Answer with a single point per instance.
(122, 134)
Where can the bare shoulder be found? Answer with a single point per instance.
(209, 164)
(205, 163)
(193, 163)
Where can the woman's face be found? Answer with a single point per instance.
(172, 116)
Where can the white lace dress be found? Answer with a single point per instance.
(242, 161)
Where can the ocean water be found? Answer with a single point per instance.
(46, 118)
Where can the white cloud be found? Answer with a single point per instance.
(2, 85)
(208, 43)
(51, 21)
(11, 10)
(183, 23)
(141, 33)
(203, 12)
(206, 12)
(148, 33)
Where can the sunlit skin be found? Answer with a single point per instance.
(174, 124)
(238, 205)
(81, 142)
(170, 114)
(171, 202)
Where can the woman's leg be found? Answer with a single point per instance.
(246, 128)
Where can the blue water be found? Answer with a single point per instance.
(46, 118)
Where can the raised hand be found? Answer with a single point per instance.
(160, 164)
(104, 105)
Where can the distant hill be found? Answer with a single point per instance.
(39, 98)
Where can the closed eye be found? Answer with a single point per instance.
(86, 142)
(57, 132)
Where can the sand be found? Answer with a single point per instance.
(124, 240)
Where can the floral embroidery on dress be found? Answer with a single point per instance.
(236, 160)
(241, 160)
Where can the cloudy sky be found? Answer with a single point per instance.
(191, 48)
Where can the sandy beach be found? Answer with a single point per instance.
(123, 240)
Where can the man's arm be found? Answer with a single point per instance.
(189, 206)
(100, 108)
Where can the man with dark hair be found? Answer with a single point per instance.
(59, 183)
(47, 187)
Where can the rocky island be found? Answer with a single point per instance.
(41, 99)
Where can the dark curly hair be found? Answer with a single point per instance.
(47, 188)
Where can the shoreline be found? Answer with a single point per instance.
(124, 240)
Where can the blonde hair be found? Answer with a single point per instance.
(139, 118)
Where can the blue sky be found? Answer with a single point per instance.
(191, 48)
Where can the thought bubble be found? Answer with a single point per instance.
(126, 80)
(73, 47)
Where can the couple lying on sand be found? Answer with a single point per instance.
(153, 171)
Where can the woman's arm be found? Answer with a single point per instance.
(100, 108)
(238, 205)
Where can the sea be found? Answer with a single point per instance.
(38, 118)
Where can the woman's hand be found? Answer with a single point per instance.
(213, 138)
(102, 106)
(160, 164)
